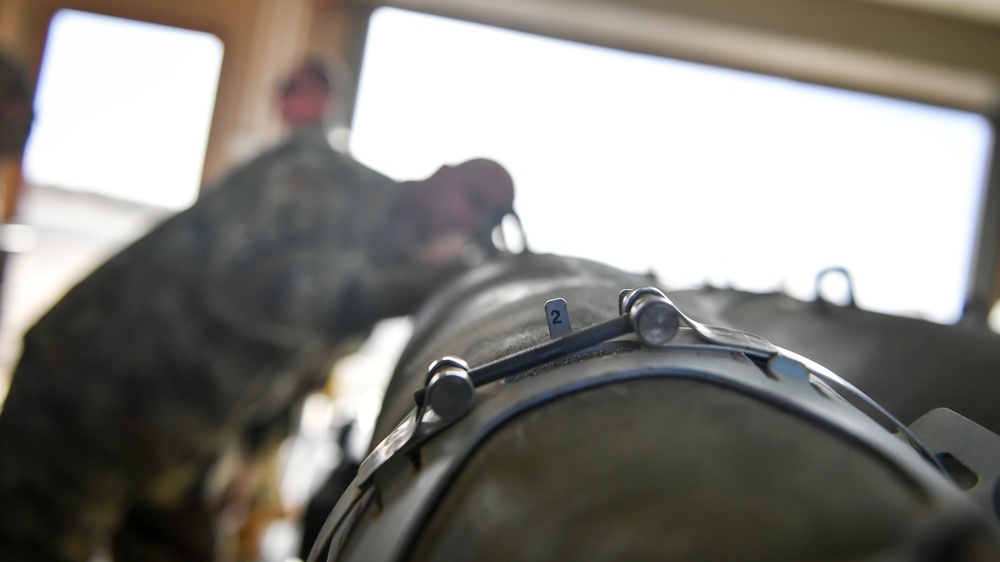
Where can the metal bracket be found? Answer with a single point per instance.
(449, 390)
(948, 434)
(635, 301)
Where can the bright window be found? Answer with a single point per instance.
(698, 173)
(124, 109)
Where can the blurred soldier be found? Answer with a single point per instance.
(309, 96)
(214, 324)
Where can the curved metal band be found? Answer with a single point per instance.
(689, 358)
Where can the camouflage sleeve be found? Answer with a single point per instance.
(191, 337)
(307, 250)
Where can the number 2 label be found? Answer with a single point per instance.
(558, 318)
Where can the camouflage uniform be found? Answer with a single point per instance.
(215, 322)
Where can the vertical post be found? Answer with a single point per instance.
(984, 277)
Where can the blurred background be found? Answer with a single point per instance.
(737, 143)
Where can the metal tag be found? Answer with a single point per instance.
(557, 317)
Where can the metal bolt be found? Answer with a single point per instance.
(654, 318)
(450, 392)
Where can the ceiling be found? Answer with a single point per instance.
(944, 52)
(981, 10)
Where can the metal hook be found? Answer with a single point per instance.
(847, 278)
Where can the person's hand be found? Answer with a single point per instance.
(443, 251)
